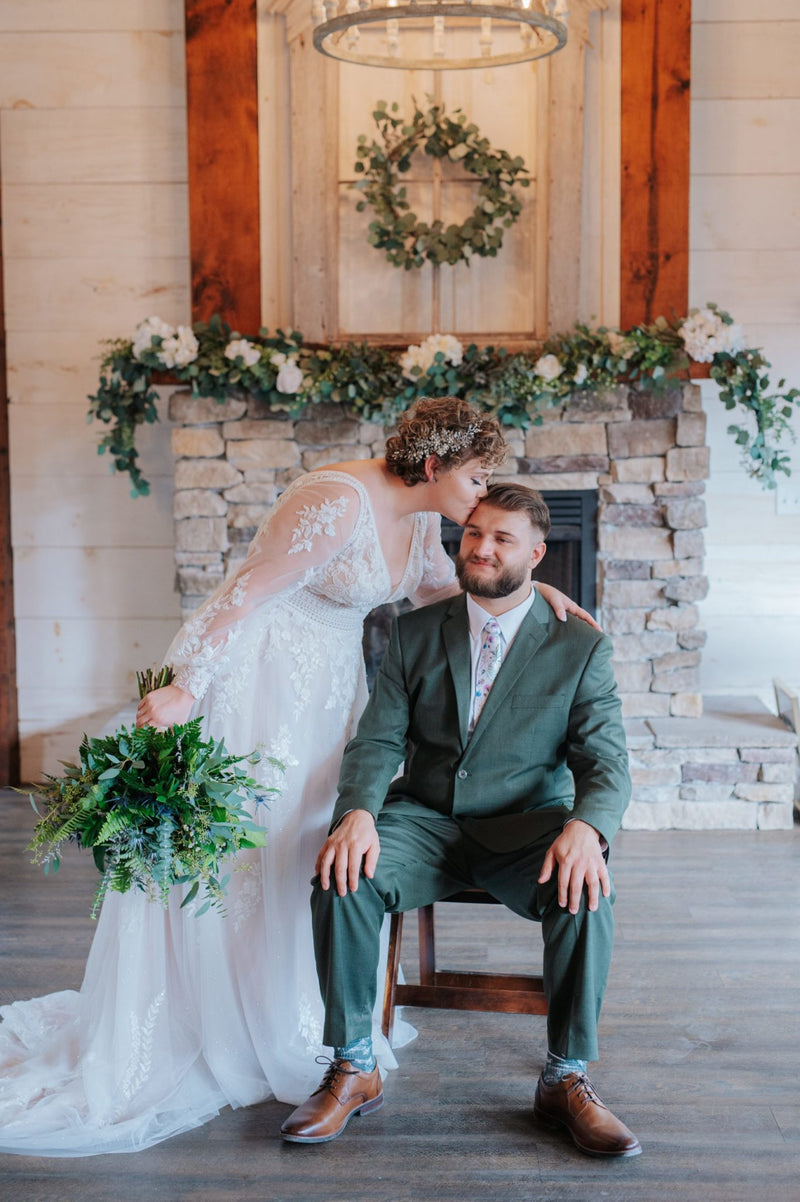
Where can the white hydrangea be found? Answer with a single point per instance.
(414, 357)
(145, 332)
(548, 367)
(580, 374)
(179, 349)
(240, 348)
(705, 334)
(290, 375)
(422, 356)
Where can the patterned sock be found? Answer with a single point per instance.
(359, 1053)
(557, 1068)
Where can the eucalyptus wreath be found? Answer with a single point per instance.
(408, 242)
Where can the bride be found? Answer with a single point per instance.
(179, 1016)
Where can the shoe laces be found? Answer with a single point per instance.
(334, 1069)
(583, 1090)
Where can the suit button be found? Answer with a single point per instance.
(462, 774)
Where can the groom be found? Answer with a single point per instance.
(515, 780)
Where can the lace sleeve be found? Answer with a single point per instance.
(310, 524)
(438, 571)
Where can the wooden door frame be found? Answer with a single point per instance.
(222, 95)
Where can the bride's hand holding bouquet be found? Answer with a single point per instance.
(159, 807)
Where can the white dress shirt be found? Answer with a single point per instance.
(509, 624)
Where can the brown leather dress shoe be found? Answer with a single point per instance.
(572, 1103)
(344, 1091)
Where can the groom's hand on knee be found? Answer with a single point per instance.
(354, 842)
(577, 856)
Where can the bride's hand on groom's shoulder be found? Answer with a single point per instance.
(168, 706)
(353, 842)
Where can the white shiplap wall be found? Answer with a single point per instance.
(745, 254)
(95, 231)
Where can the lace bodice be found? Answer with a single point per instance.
(319, 550)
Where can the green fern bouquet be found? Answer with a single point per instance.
(157, 807)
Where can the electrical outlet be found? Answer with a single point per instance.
(787, 500)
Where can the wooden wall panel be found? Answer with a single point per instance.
(746, 212)
(745, 137)
(758, 285)
(45, 16)
(55, 221)
(92, 69)
(743, 10)
(656, 72)
(88, 583)
(748, 58)
(103, 145)
(106, 295)
(222, 98)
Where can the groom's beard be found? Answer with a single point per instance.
(506, 581)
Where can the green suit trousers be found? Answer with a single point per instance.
(426, 856)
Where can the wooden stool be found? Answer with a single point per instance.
(454, 990)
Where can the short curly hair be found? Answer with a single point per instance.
(447, 427)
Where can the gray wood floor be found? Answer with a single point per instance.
(700, 1051)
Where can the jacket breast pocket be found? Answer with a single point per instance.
(539, 701)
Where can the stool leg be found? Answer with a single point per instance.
(392, 966)
(427, 947)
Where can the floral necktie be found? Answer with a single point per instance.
(489, 661)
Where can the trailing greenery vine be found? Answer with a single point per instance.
(376, 383)
(408, 242)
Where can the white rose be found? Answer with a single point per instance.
(416, 356)
(580, 374)
(240, 348)
(621, 347)
(145, 332)
(548, 367)
(179, 350)
(277, 358)
(290, 377)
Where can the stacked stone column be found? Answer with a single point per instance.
(645, 453)
(232, 460)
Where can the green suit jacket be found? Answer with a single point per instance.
(550, 735)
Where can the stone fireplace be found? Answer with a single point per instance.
(642, 455)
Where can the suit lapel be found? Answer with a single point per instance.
(529, 638)
(455, 632)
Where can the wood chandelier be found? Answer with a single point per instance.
(444, 34)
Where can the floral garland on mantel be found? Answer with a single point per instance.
(377, 383)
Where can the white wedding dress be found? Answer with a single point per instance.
(181, 1015)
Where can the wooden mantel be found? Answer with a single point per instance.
(223, 157)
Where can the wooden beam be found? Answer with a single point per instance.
(656, 74)
(222, 103)
(9, 727)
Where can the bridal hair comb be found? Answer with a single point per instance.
(439, 442)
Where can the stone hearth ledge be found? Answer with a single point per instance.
(734, 768)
